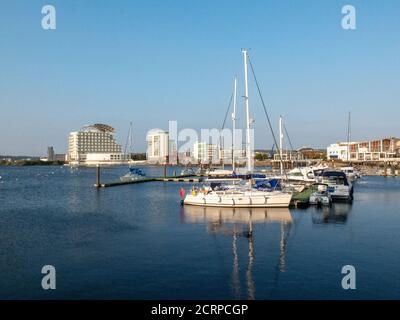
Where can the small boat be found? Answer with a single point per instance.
(351, 173)
(339, 187)
(220, 173)
(321, 197)
(133, 175)
(188, 172)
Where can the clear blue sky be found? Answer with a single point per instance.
(154, 61)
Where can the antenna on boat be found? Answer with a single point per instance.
(234, 122)
(248, 120)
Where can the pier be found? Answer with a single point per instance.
(180, 178)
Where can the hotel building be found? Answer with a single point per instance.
(95, 144)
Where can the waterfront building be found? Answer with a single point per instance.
(373, 150)
(308, 153)
(205, 153)
(288, 155)
(94, 144)
(158, 147)
(225, 156)
(50, 154)
(337, 151)
(60, 157)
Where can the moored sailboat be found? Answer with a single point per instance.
(239, 195)
(134, 173)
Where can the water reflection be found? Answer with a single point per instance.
(238, 223)
(336, 214)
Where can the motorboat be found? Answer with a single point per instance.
(351, 173)
(321, 197)
(339, 187)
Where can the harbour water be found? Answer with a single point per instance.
(137, 242)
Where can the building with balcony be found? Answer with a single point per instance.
(94, 144)
(373, 150)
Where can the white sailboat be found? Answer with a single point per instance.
(235, 195)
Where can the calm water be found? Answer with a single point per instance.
(136, 242)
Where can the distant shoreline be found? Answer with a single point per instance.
(23, 163)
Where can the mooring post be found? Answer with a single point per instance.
(165, 170)
(97, 176)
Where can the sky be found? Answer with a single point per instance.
(153, 61)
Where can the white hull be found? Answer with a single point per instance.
(320, 199)
(250, 199)
(128, 178)
(340, 192)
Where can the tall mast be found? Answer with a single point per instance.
(348, 138)
(246, 100)
(234, 123)
(280, 144)
(130, 140)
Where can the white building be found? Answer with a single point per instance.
(205, 153)
(337, 151)
(158, 146)
(225, 156)
(373, 150)
(95, 144)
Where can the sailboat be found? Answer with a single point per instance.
(242, 194)
(351, 173)
(134, 173)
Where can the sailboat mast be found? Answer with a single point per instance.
(130, 141)
(234, 123)
(348, 138)
(280, 144)
(246, 99)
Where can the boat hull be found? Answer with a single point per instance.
(281, 200)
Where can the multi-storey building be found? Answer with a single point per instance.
(206, 153)
(374, 150)
(94, 144)
(50, 154)
(158, 146)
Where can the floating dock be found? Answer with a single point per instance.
(193, 179)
